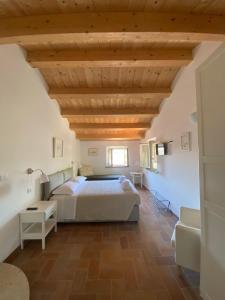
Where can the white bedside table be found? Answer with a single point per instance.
(135, 175)
(36, 224)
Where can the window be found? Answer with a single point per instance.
(153, 156)
(116, 156)
(144, 155)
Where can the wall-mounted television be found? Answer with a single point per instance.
(161, 149)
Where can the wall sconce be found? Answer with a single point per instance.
(43, 178)
(194, 117)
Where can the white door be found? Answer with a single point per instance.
(211, 113)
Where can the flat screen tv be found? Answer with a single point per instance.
(161, 149)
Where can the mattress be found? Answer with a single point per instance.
(98, 201)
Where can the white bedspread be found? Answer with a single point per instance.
(66, 207)
(98, 201)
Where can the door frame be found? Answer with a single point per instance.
(203, 159)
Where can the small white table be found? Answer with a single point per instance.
(36, 224)
(135, 175)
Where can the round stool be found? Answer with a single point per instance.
(13, 283)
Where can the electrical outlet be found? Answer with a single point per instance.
(29, 190)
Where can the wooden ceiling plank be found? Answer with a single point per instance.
(112, 136)
(99, 93)
(22, 7)
(135, 111)
(103, 58)
(146, 25)
(118, 126)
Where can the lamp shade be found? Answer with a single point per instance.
(44, 178)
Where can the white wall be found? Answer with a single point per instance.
(28, 122)
(99, 162)
(178, 177)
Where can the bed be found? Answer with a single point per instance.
(88, 172)
(93, 201)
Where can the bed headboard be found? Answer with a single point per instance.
(55, 180)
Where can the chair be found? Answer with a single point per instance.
(186, 239)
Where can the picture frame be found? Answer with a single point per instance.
(92, 151)
(57, 147)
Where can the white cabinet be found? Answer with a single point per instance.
(36, 224)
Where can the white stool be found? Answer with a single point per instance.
(13, 283)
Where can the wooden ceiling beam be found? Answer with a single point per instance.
(117, 126)
(103, 93)
(147, 25)
(133, 111)
(111, 136)
(109, 58)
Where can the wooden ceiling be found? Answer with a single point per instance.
(110, 64)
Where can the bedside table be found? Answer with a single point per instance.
(36, 224)
(135, 175)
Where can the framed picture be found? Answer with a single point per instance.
(92, 151)
(57, 147)
(185, 142)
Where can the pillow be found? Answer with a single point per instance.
(68, 188)
(122, 178)
(86, 171)
(79, 179)
(126, 185)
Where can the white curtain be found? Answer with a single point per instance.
(117, 156)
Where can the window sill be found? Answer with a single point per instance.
(152, 170)
(116, 167)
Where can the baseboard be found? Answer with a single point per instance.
(204, 295)
(12, 256)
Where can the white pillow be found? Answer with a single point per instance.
(126, 185)
(68, 188)
(79, 179)
(122, 178)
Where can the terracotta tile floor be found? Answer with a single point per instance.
(109, 261)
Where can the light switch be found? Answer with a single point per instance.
(29, 190)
